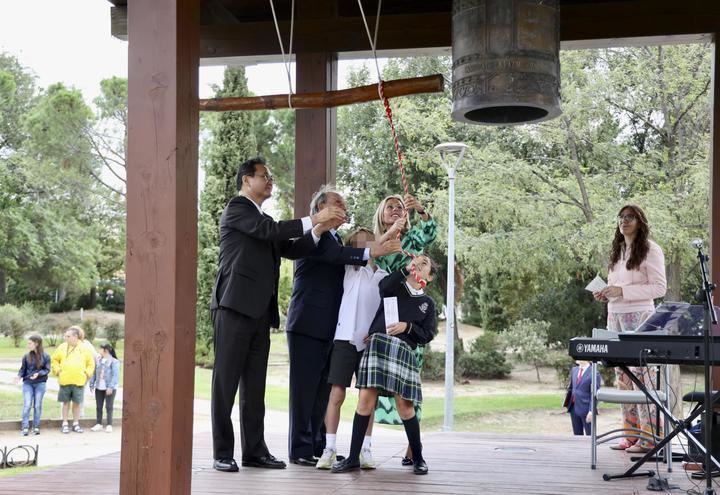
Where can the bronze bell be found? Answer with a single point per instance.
(506, 61)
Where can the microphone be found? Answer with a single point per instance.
(697, 243)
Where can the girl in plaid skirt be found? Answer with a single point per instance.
(389, 366)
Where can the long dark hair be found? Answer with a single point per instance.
(110, 349)
(640, 245)
(38, 352)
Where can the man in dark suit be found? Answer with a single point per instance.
(244, 306)
(579, 397)
(312, 318)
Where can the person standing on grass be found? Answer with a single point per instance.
(34, 370)
(104, 383)
(73, 364)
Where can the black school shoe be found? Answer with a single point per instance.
(345, 465)
(267, 461)
(406, 461)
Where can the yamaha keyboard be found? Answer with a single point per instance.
(656, 349)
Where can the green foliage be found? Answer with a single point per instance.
(562, 363)
(486, 358)
(433, 364)
(15, 321)
(114, 332)
(111, 295)
(285, 286)
(91, 327)
(230, 143)
(526, 340)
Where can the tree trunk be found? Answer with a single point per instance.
(674, 276)
(93, 297)
(3, 286)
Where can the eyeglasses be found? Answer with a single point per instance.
(267, 177)
(629, 217)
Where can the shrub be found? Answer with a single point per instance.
(486, 358)
(62, 306)
(114, 332)
(433, 364)
(90, 326)
(204, 354)
(562, 363)
(527, 340)
(111, 296)
(16, 322)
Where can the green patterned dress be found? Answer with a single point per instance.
(414, 241)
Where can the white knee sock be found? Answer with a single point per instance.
(330, 441)
(367, 442)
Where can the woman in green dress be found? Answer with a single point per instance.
(414, 240)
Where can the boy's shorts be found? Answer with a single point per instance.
(344, 362)
(71, 393)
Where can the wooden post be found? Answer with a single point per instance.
(163, 62)
(315, 130)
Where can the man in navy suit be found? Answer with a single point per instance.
(312, 318)
(245, 305)
(580, 397)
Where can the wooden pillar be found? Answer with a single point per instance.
(163, 61)
(714, 250)
(315, 130)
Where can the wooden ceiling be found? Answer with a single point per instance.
(244, 28)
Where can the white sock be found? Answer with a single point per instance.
(330, 441)
(367, 441)
(76, 422)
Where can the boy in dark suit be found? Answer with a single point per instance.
(580, 397)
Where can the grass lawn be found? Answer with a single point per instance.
(11, 403)
(7, 473)
(9, 351)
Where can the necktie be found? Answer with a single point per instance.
(580, 373)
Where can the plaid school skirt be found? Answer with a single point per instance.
(389, 365)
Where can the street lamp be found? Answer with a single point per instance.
(447, 149)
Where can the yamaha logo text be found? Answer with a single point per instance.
(592, 348)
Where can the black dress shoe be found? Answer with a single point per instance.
(226, 465)
(406, 461)
(302, 461)
(345, 465)
(420, 467)
(266, 461)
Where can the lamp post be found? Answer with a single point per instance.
(445, 150)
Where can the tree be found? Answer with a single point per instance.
(230, 143)
(527, 340)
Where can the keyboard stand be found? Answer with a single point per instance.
(681, 426)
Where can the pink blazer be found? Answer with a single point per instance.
(640, 286)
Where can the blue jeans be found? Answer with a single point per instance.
(32, 391)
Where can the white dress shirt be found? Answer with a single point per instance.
(360, 302)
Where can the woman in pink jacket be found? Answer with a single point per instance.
(636, 276)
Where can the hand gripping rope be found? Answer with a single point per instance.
(388, 114)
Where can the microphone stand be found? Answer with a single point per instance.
(710, 317)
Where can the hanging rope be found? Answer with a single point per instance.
(287, 62)
(388, 113)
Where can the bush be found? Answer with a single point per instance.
(90, 326)
(62, 306)
(111, 296)
(433, 364)
(562, 363)
(486, 359)
(527, 340)
(16, 322)
(114, 332)
(204, 354)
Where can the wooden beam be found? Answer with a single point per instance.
(714, 250)
(161, 262)
(315, 130)
(599, 22)
(327, 99)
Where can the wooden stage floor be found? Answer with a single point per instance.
(462, 463)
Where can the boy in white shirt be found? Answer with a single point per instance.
(361, 299)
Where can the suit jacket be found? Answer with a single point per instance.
(251, 244)
(318, 288)
(581, 391)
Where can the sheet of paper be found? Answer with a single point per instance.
(391, 310)
(596, 284)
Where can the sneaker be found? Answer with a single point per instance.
(77, 428)
(97, 427)
(65, 429)
(366, 459)
(327, 459)
(24, 432)
(108, 428)
(36, 431)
